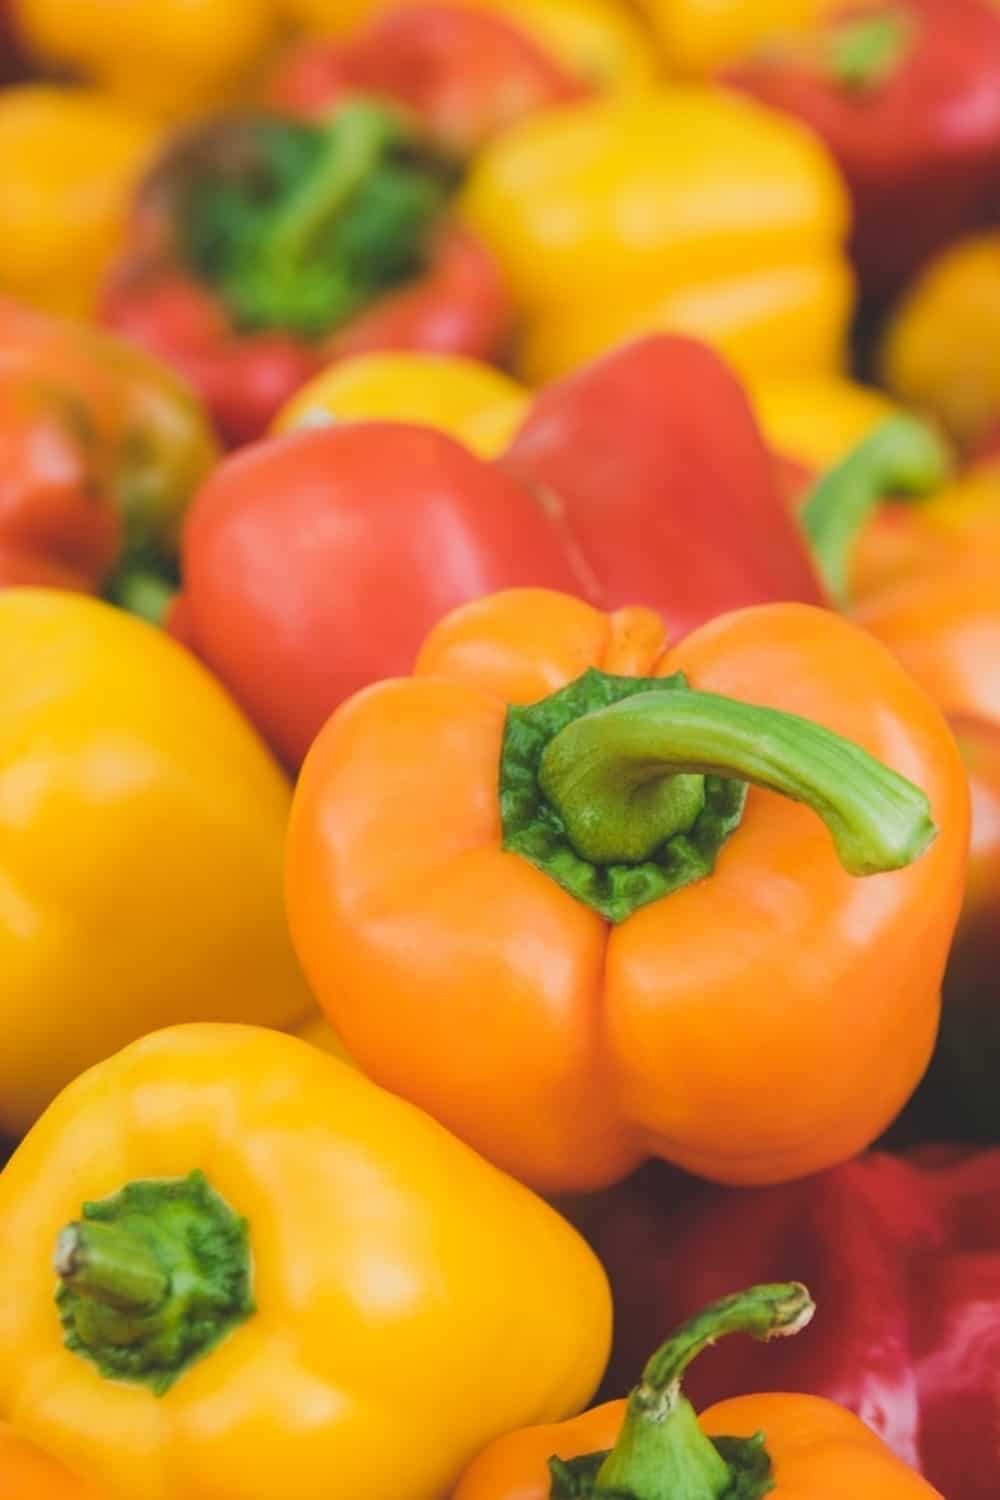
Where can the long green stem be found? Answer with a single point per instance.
(902, 457)
(611, 776)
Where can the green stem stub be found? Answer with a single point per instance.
(624, 789)
(152, 1278)
(298, 226)
(698, 813)
(661, 1452)
(866, 52)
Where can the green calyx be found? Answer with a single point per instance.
(866, 52)
(153, 1278)
(901, 457)
(661, 1452)
(697, 813)
(315, 220)
(625, 789)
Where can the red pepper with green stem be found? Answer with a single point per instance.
(100, 451)
(906, 93)
(462, 74)
(903, 1255)
(654, 458)
(262, 248)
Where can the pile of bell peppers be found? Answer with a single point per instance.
(500, 749)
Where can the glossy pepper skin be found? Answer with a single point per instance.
(902, 1254)
(698, 37)
(315, 563)
(939, 352)
(464, 75)
(172, 56)
(906, 94)
(661, 474)
(142, 823)
(707, 1026)
(262, 248)
(628, 216)
(653, 1447)
(26, 1473)
(818, 420)
(100, 451)
(380, 1268)
(72, 157)
(472, 402)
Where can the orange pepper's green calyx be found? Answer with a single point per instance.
(625, 789)
(324, 218)
(903, 456)
(152, 1278)
(662, 1453)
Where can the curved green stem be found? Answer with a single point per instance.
(612, 776)
(903, 456)
(661, 1452)
(867, 51)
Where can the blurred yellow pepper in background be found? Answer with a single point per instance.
(472, 402)
(687, 210)
(941, 352)
(143, 825)
(819, 419)
(71, 157)
(600, 40)
(698, 37)
(170, 56)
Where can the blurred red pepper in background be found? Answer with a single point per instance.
(902, 1255)
(654, 459)
(316, 563)
(100, 450)
(463, 75)
(262, 248)
(906, 93)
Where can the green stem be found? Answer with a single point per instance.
(903, 456)
(868, 51)
(355, 142)
(661, 1452)
(612, 777)
(111, 1265)
(152, 1278)
(143, 592)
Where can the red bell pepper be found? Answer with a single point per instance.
(316, 563)
(100, 450)
(262, 248)
(903, 1257)
(906, 93)
(653, 456)
(463, 74)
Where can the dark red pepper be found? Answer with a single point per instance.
(263, 248)
(906, 93)
(463, 74)
(902, 1255)
(654, 459)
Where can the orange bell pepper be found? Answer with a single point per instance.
(566, 977)
(654, 1447)
(26, 1473)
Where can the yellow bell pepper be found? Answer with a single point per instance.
(472, 402)
(600, 40)
(817, 420)
(276, 1278)
(71, 157)
(171, 56)
(142, 825)
(942, 349)
(699, 37)
(690, 210)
